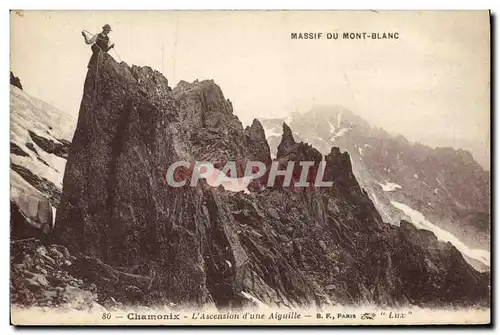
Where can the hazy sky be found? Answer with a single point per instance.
(431, 85)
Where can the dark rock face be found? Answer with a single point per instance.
(203, 245)
(22, 227)
(16, 150)
(59, 149)
(15, 81)
(43, 185)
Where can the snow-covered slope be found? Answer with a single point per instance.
(419, 220)
(39, 142)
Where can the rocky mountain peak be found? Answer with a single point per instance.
(287, 140)
(257, 143)
(15, 81)
(152, 82)
(131, 230)
(292, 151)
(287, 137)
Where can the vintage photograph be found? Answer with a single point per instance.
(250, 168)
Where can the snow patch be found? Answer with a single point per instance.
(389, 187)
(332, 127)
(54, 211)
(419, 221)
(216, 177)
(360, 151)
(382, 208)
(342, 132)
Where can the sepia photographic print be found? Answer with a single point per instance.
(250, 168)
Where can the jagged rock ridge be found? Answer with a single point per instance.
(15, 81)
(446, 185)
(202, 245)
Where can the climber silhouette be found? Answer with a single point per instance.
(100, 42)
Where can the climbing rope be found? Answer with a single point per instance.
(116, 53)
(96, 75)
(98, 59)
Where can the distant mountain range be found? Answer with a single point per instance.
(442, 187)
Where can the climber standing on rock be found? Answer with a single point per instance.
(100, 43)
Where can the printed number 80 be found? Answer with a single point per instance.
(106, 316)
